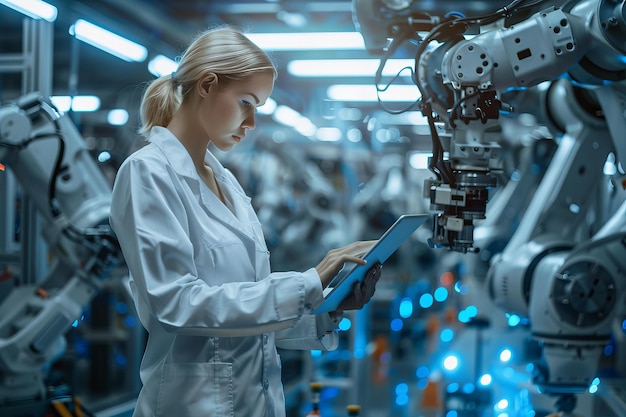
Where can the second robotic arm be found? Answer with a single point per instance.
(52, 164)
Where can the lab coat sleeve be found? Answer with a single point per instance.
(317, 331)
(150, 220)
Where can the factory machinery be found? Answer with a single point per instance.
(561, 265)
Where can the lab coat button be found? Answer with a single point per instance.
(266, 385)
(265, 338)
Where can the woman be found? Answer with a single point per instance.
(199, 266)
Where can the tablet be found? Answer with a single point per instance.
(342, 285)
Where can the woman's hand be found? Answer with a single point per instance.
(362, 291)
(335, 259)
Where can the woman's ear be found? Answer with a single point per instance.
(206, 82)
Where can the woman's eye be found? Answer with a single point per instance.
(246, 104)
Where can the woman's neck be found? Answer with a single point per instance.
(194, 141)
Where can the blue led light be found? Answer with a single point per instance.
(402, 400)
(485, 380)
(446, 335)
(402, 389)
(514, 320)
(441, 294)
(345, 324)
(426, 300)
(396, 325)
(451, 362)
(452, 387)
(505, 355)
(406, 308)
(422, 372)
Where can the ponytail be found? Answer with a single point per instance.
(160, 101)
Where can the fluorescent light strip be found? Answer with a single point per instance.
(76, 103)
(108, 41)
(161, 65)
(308, 41)
(267, 108)
(289, 117)
(35, 9)
(367, 93)
(348, 67)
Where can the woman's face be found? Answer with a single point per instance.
(227, 112)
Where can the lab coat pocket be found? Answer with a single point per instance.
(196, 389)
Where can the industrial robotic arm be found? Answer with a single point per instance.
(44, 150)
(564, 266)
(462, 83)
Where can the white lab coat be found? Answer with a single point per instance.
(201, 281)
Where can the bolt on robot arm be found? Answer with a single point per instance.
(44, 150)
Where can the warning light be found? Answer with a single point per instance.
(1, 166)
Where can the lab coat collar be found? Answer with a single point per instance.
(181, 162)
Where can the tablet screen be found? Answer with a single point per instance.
(341, 286)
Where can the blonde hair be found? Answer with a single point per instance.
(224, 50)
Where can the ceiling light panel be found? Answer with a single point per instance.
(108, 41)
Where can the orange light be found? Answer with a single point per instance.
(447, 279)
(2, 166)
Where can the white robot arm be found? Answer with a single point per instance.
(557, 269)
(51, 162)
(462, 81)
(564, 265)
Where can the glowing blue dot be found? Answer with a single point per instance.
(329, 392)
(130, 321)
(472, 311)
(502, 404)
(316, 353)
(530, 367)
(505, 355)
(452, 387)
(446, 335)
(624, 326)
(396, 325)
(75, 324)
(596, 381)
(452, 414)
(463, 317)
(121, 308)
(441, 294)
(460, 288)
(406, 308)
(593, 389)
(451, 362)
(422, 383)
(485, 380)
(422, 372)
(121, 360)
(514, 320)
(402, 388)
(345, 324)
(402, 400)
(426, 300)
